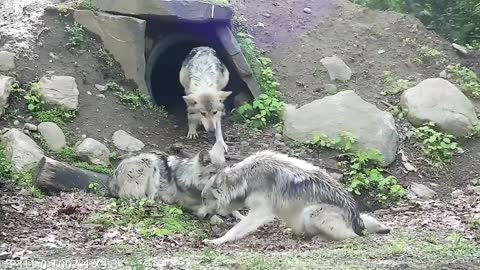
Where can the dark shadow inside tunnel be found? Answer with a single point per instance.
(172, 41)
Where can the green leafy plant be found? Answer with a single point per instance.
(77, 36)
(38, 108)
(149, 218)
(466, 78)
(476, 222)
(97, 189)
(105, 57)
(134, 99)
(87, 5)
(266, 109)
(395, 86)
(476, 130)
(439, 147)
(362, 168)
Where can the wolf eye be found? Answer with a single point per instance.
(215, 112)
(204, 113)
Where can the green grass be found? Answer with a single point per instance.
(135, 99)
(148, 217)
(404, 251)
(68, 154)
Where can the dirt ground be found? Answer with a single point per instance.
(54, 227)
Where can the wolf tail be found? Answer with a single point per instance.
(373, 225)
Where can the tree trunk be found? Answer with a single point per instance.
(52, 175)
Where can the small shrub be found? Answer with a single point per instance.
(475, 130)
(149, 218)
(362, 168)
(105, 57)
(77, 36)
(476, 222)
(466, 78)
(37, 107)
(135, 99)
(439, 147)
(266, 109)
(87, 5)
(395, 86)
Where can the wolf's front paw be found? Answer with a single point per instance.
(225, 147)
(211, 243)
(192, 135)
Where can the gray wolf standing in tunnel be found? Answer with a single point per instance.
(167, 178)
(299, 193)
(204, 76)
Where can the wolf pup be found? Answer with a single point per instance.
(204, 76)
(302, 195)
(166, 178)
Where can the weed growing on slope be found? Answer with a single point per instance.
(266, 109)
(362, 168)
(466, 79)
(438, 147)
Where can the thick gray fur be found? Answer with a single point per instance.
(204, 76)
(273, 185)
(166, 178)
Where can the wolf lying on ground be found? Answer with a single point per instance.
(302, 195)
(204, 76)
(166, 178)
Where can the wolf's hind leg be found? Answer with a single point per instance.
(327, 222)
(255, 219)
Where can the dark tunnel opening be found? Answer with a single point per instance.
(165, 60)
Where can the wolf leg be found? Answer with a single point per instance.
(219, 135)
(238, 215)
(373, 225)
(192, 128)
(327, 222)
(254, 220)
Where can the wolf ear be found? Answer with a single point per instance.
(224, 94)
(190, 100)
(204, 158)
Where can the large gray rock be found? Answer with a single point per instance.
(344, 111)
(123, 37)
(22, 152)
(59, 91)
(93, 151)
(5, 90)
(179, 9)
(337, 69)
(7, 61)
(124, 141)
(53, 135)
(439, 101)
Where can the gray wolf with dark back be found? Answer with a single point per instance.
(301, 194)
(204, 76)
(167, 178)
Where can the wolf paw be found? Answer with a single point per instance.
(211, 243)
(192, 135)
(225, 147)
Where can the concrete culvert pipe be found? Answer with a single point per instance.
(163, 67)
